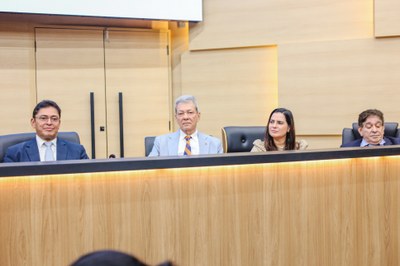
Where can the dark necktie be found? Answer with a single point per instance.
(372, 145)
(188, 149)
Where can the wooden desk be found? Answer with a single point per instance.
(335, 207)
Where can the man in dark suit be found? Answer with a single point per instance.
(46, 120)
(371, 128)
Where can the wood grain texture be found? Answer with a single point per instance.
(138, 66)
(69, 66)
(72, 63)
(333, 212)
(233, 86)
(17, 78)
(386, 18)
(316, 142)
(231, 23)
(327, 84)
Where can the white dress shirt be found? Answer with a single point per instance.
(42, 148)
(365, 144)
(194, 143)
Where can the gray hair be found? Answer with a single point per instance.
(186, 99)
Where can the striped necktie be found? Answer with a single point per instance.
(188, 149)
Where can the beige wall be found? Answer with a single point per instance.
(233, 23)
(386, 18)
(322, 59)
(44, 60)
(17, 77)
(233, 86)
(330, 66)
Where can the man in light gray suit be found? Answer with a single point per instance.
(187, 140)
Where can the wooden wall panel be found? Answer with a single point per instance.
(179, 45)
(327, 84)
(233, 87)
(332, 212)
(70, 65)
(317, 142)
(17, 78)
(233, 23)
(137, 65)
(386, 18)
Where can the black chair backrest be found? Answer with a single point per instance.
(12, 139)
(351, 134)
(148, 145)
(241, 138)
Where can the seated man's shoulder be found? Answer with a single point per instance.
(13, 153)
(211, 138)
(71, 145)
(75, 150)
(392, 140)
(67, 142)
(214, 144)
(20, 145)
(166, 136)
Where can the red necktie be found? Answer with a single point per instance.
(188, 149)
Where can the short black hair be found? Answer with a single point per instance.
(44, 104)
(111, 258)
(367, 113)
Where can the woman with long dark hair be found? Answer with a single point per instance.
(280, 133)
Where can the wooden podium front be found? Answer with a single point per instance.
(336, 207)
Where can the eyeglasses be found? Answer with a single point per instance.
(44, 119)
(189, 113)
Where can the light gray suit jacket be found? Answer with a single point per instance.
(167, 145)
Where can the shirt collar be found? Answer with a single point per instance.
(40, 141)
(364, 143)
(182, 135)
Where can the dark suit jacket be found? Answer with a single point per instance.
(357, 142)
(28, 151)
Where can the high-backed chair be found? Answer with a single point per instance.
(148, 145)
(12, 139)
(241, 138)
(351, 134)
